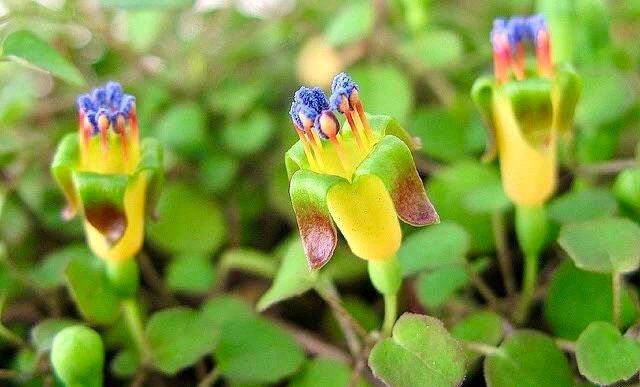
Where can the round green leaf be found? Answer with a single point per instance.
(487, 199)
(527, 359)
(187, 222)
(77, 356)
(604, 356)
(442, 244)
(435, 49)
(577, 298)
(441, 133)
(450, 187)
(125, 363)
(223, 309)
(178, 337)
(482, 327)
(182, 129)
(420, 353)
(255, 350)
(353, 22)
(603, 245)
(378, 83)
(217, 171)
(190, 273)
(324, 372)
(248, 135)
(582, 205)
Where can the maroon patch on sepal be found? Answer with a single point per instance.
(319, 237)
(411, 201)
(110, 221)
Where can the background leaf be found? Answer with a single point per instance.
(25, 47)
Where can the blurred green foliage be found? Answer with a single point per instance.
(213, 82)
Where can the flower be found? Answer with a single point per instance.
(525, 109)
(107, 174)
(359, 176)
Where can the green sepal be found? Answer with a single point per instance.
(532, 107)
(102, 200)
(531, 229)
(308, 191)
(392, 162)
(150, 163)
(385, 275)
(381, 125)
(482, 95)
(567, 87)
(64, 162)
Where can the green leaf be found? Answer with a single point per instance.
(606, 95)
(434, 49)
(42, 334)
(178, 337)
(378, 83)
(223, 309)
(138, 4)
(603, 245)
(530, 358)
(582, 205)
(435, 287)
(324, 372)
(293, 277)
(441, 133)
(190, 273)
(143, 28)
(250, 260)
(217, 171)
(255, 350)
(95, 298)
(249, 135)
(182, 129)
(125, 363)
(627, 191)
(420, 353)
(481, 327)
(353, 22)
(49, 273)
(577, 298)
(26, 48)
(188, 222)
(487, 199)
(435, 246)
(449, 187)
(604, 356)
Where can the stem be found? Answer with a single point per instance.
(210, 378)
(616, 286)
(485, 290)
(348, 324)
(390, 313)
(133, 320)
(528, 287)
(504, 259)
(566, 345)
(481, 348)
(11, 337)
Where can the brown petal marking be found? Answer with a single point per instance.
(411, 201)
(319, 237)
(109, 220)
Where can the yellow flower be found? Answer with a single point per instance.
(107, 174)
(360, 176)
(526, 110)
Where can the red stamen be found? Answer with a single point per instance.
(517, 62)
(543, 54)
(501, 59)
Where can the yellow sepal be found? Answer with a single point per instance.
(131, 241)
(364, 213)
(528, 172)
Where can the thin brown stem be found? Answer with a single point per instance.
(483, 288)
(210, 379)
(313, 344)
(481, 348)
(504, 256)
(566, 345)
(153, 279)
(349, 326)
(607, 168)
